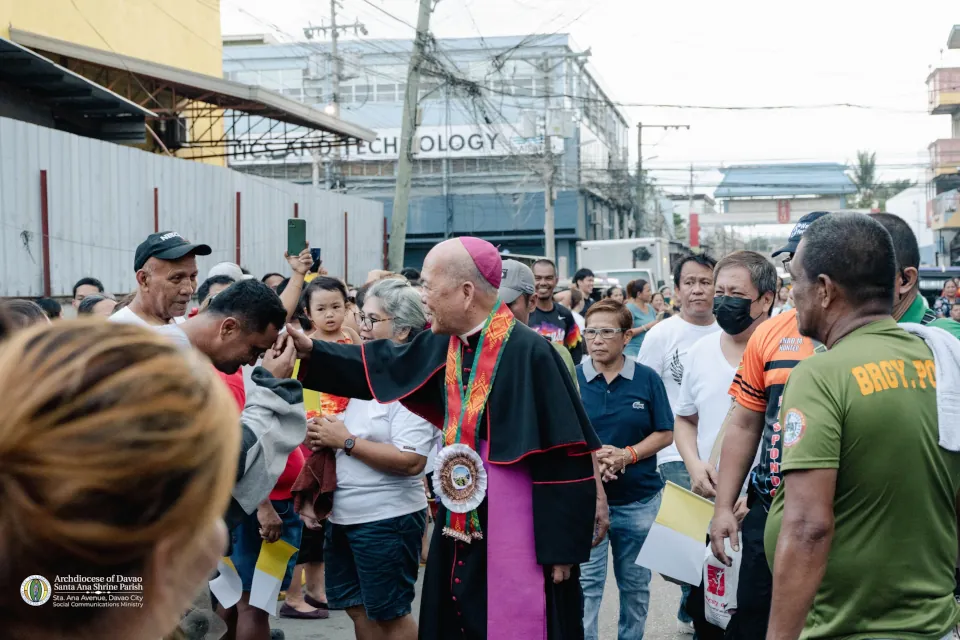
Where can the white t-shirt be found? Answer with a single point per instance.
(664, 350)
(705, 390)
(172, 331)
(365, 494)
(126, 316)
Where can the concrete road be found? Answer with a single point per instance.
(661, 619)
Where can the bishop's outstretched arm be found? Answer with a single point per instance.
(336, 369)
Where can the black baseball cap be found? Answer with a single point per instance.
(167, 245)
(797, 233)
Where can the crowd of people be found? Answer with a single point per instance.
(200, 419)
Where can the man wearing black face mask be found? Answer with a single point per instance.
(745, 286)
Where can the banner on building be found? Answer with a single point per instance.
(455, 141)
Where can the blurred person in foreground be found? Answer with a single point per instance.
(22, 314)
(628, 406)
(374, 534)
(664, 350)
(97, 305)
(515, 478)
(854, 554)
(103, 475)
(166, 268)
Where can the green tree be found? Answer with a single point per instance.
(871, 192)
(679, 226)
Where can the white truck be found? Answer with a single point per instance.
(627, 259)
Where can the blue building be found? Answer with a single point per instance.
(479, 166)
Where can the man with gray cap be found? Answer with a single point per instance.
(516, 290)
(166, 268)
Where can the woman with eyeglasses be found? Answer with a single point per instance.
(374, 532)
(629, 409)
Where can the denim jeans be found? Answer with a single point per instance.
(676, 472)
(629, 526)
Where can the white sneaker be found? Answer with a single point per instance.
(685, 628)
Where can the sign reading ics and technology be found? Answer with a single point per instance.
(460, 141)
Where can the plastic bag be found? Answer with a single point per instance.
(720, 585)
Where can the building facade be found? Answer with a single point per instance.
(479, 165)
(943, 90)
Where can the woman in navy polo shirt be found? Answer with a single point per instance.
(628, 407)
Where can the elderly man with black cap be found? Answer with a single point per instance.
(515, 478)
(166, 268)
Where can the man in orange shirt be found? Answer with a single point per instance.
(773, 351)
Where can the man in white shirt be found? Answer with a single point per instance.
(664, 350)
(746, 285)
(166, 268)
(743, 297)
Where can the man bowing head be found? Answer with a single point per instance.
(515, 476)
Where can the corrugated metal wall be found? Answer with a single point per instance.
(101, 206)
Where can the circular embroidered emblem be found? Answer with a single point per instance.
(794, 424)
(459, 479)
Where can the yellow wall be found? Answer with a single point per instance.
(179, 33)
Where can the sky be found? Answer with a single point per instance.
(698, 52)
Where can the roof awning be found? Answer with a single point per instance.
(191, 86)
(72, 99)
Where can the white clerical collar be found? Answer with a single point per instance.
(477, 329)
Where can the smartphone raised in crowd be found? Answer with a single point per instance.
(296, 236)
(315, 254)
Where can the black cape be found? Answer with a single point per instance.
(534, 415)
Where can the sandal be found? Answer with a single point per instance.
(286, 611)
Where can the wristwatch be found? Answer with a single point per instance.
(348, 445)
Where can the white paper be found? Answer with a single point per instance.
(227, 587)
(672, 554)
(264, 592)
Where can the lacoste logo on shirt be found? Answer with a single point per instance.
(638, 405)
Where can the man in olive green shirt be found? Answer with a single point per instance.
(862, 535)
(908, 304)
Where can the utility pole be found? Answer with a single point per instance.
(332, 168)
(398, 227)
(641, 191)
(549, 168)
(549, 215)
(689, 205)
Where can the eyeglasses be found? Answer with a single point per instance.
(367, 322)
(605, 333)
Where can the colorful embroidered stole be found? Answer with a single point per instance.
(464, 406)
